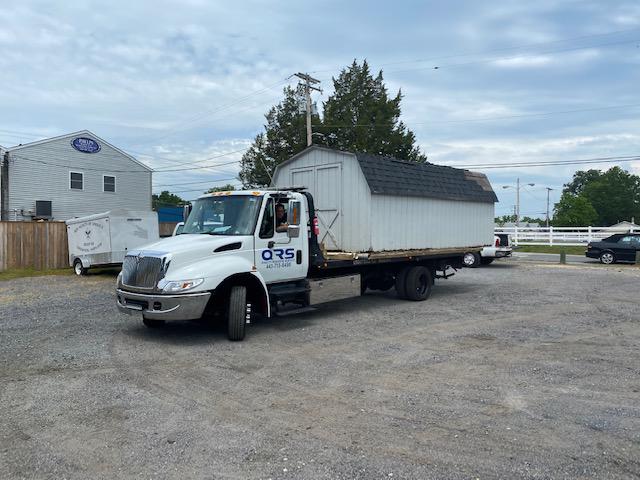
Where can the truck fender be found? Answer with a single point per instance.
(257, 291)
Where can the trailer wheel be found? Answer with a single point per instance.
(471, 259)
(150, 323)
(419, 283)
(237, 313)
(78, 268)
(401, 283)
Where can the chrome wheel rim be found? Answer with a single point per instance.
(607, 258)
(78, 268)
(469, 259)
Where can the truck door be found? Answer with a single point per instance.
(279, 258)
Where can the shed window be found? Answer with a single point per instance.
(76, 181)
(109, 183)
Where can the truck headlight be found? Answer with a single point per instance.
(180, 285)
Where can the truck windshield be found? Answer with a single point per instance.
(224, 215)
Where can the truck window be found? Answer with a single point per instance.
(266, 228)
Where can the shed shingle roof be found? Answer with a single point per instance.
(390, 176)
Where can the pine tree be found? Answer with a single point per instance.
(284, 136)
(359, 116)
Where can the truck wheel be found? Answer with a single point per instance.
(486, 260)
(419, 283)
(236, 313)
(471, 259)
(149, 323)
(78, 268)
(401, 282)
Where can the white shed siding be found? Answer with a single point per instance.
(30, 180)
(376, 222)
(350, 193)
(411, 222)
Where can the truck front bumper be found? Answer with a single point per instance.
(188, 306)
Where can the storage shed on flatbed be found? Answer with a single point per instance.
(371, 203)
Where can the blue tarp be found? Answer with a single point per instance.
(170, 214)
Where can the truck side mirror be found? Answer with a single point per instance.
(186, 210)
(293, 231)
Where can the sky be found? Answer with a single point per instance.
(188, 82)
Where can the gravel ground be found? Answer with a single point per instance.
(509, 371)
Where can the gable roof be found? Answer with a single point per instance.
(76, 134)
(390, 176)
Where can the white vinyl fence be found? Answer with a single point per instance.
(558, 235)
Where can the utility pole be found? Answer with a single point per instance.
(308, 82)
(548, 190)
(518, 201)
(517, 187)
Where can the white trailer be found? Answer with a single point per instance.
(105, 238)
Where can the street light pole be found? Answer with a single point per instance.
(548, 190)
(517, 187)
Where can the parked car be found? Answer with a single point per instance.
(501, 248)
(621, 247)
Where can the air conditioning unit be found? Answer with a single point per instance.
(43, 209)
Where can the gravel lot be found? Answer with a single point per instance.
(510, 371)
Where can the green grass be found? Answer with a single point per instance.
(570, 250)
(32, 272)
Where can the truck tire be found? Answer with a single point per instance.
(471, 259)
(149, 323)
(78, 269)
(486, 260)
(236, 313)
(401, 283)
(418, 283)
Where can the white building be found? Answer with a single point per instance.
(70, 176)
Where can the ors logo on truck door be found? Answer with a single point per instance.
(278, 257)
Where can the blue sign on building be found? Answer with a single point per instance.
(85, 145)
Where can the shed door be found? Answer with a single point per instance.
(325, 184)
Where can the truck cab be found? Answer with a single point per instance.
(229, 252)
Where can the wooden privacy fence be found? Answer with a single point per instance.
(39, 245)
(165, 229)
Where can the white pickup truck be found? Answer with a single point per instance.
(501, 248)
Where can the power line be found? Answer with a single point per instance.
(548, 163)
(212, 167)
(492, 60)
(493, 50)
(195, 183)
(176, 129)
(484, 119)
(191, 191)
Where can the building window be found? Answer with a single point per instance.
(108, 183)
(76, 181)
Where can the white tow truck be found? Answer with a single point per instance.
(243, 265)
(360, 222)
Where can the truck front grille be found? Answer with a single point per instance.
(142, 271)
